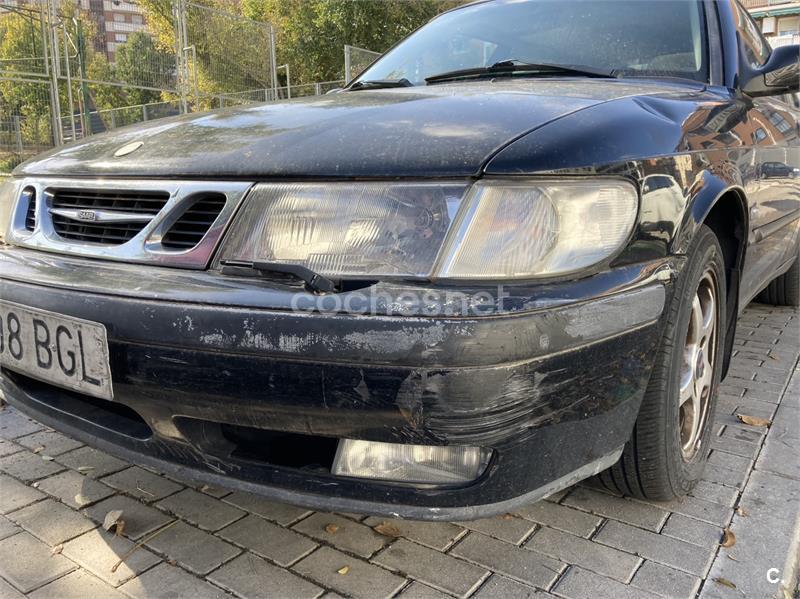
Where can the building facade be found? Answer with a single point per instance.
(115, 19)
(779, 20)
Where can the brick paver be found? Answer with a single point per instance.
(582, 542)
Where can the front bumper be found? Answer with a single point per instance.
(552, 384)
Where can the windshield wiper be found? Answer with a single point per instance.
(509, 67)
(315, 282)
(380, 84)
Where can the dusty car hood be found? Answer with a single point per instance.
(442, 131)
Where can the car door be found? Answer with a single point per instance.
(772, 132)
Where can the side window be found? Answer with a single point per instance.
(756, 47)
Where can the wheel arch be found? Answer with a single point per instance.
(725, 210)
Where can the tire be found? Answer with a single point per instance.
(665, 455)
(785, 290)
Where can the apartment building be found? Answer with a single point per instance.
(115, 19)
(779, 20)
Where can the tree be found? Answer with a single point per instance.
(311, 34)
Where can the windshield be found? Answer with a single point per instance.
(631, 37)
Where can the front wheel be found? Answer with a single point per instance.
(671, 439)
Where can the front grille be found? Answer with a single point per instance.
(193, 224)
(147, 203)
(30, 214)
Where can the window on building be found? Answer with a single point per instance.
(119, 18)
(781, 124)
(121, 37)
(138, 19)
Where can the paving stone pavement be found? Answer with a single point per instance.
(580, 543)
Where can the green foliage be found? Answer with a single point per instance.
(311, 34)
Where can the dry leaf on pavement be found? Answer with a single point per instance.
(728, 538)
(112, 519)
(388, 530)
(332, 529)
(725, 582)
(742, 512)
(753, 420)
(57, 550)
(343, 570)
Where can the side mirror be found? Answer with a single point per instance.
(781, 74)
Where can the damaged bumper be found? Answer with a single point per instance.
(218, 380)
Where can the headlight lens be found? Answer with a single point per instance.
(522, 230)
(505, 229)
(346, 229)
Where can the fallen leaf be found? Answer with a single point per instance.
(83, 469)
(57, 550)
(508, 516)
(388, 530)
(172, 562)
(730, 557)
(39, 449)
(35, 485)
(111, 520)
(742, 512)
(81, 500)
(753, 420)
(725, 582)
(332, 529)
(771, 357)
(343, 570)
(728, 538)
(47, 458)
(204, 488)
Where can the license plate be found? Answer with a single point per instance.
(61, 350)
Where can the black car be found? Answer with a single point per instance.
(509, 256)
(778, 170)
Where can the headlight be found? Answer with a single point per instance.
(505, 229)
(6, 204)
(356, 230)
(525, 230)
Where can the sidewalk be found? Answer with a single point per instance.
(579, 543)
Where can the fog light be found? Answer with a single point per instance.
(410, 463)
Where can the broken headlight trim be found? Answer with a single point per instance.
(500, 230)
(418, 464)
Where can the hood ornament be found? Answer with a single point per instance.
(128, 149)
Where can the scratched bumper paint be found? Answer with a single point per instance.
(551, 388)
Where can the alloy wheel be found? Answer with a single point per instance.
(697, 371)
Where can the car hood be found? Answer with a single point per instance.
(449, 130)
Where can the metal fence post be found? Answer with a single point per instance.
(17, 132)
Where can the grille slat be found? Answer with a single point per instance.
(194, 223)
(30, 215)
(136, 202)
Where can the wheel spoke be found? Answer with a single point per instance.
(696, 324)
(687, 375)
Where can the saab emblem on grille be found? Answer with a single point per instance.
(87, 215)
